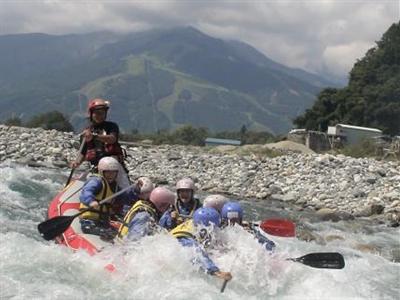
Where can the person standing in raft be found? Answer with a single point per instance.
(196, 233)
(143, 217)
(101, 139)
(232, 213)
(98, 187)
(184, 206)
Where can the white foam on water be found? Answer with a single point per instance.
(158, 267)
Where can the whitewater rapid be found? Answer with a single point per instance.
(159, 268)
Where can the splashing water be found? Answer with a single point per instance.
(157, 267)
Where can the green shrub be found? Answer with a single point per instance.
(365, 148)
(13, 121)
(50, 120)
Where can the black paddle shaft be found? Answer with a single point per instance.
(322, 260)
(73, 169)
(224, 286)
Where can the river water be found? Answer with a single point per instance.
(157, 267)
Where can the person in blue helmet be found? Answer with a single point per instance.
(195, 233)
(232, 213)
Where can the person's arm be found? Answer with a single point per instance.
(263, 240)
(81, 154)
(128, 198)
(166, 220)
(112, 134)
(139, 226)
(78, 161)
(89, 191)
(107, 138)
(203, 260)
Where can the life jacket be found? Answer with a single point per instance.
(186, 229)
(182, 217)
(139, 206)
(105, 209)
(97, 150)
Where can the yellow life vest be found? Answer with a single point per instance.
(139, 206)
(105, 208)
(186, 229)
(182, 218)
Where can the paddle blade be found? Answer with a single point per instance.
(54, 227)
(322, 260)
(278, 227)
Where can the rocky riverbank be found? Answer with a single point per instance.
(337, 187)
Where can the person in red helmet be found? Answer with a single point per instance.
(101, 137)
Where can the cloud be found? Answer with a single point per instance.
(316, 35)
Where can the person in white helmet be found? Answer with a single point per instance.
(215, 201)
(146, 187)
(101, 186)
(184, 207)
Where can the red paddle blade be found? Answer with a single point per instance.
(278, 227)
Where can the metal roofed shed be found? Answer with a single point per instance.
(218, 142)
(350, 134)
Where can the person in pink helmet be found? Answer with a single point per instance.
(184, 206)
(143, 217)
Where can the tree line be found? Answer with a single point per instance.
(189, 135)
(185, 135)
(372, 97)
(49, 120)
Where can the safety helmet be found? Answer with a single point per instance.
(232, 210)
(205, 216)
(108, 163)
(162, 198)
(146, 185)
(185, 184)
(215, 201)
(97, 103)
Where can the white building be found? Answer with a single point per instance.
(349, 134)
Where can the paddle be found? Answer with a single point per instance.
(226, 281)
(224, 286)
(279, 227)
(54, 227)
(73, 169)
(321, 260)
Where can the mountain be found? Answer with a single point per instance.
(372, 97)
(158, 79)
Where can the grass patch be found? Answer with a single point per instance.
(367, 148)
